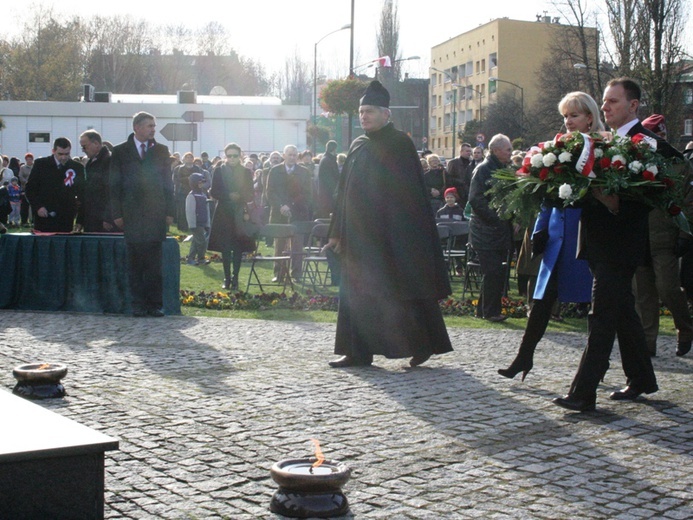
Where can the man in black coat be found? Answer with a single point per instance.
(55, 190)
(489, 235)
(142, 205)
(328, 178)
(460, 171)
(97, 203)
(393, 270)
(613, 239)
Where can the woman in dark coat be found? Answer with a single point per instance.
(232, 187)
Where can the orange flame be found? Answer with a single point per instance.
(44, 366)
(320, 458)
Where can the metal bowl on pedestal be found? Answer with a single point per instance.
(309, 491)
(39, 380)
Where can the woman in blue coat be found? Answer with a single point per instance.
(561, 275)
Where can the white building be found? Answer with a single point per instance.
(257, 124)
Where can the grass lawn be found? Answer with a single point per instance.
(209, 278)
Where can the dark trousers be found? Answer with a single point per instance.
(492, 281)
(613, 313)
(145, 276)
(24, 211)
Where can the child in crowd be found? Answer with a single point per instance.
(197, 214)
(452, 210)
(15, 193)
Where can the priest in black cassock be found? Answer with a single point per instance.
(393, 270)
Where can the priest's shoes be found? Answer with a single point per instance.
(629, 393)
(683, 348)
(419, 360)
(348, 361)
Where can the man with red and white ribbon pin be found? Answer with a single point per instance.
(55, 190)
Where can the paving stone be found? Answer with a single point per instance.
(204, 406)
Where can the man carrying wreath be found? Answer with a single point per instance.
(55, 190)
(613, 240)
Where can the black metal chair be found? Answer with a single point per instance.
(316, 268)
(273, 231)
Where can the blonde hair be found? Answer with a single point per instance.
(583, 103)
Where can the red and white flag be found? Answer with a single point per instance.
(384, 61)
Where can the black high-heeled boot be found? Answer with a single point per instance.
(522, 363)
(234, 282)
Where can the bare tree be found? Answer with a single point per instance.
(295, 85)
(387, 38)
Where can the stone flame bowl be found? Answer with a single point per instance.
(293, 474)
(30, 374)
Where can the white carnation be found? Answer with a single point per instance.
(652, 168)
(537, 160)
(635, 166)
(618, 158)
(598, 152)
(565, 157)
(549, 159)
(565, 191)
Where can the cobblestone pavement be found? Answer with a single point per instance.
(204, 406)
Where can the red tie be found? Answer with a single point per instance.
(144, 149)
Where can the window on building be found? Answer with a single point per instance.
(434, 98)
(478, 67)
(493, 60)
(432, 124)
(449, 97)
(462, 94)
(688, 96)
(446, 76)
(688, 127)
(447, 120)
(434, 79)
(453, 73)
(446, 142)
(461, 118)
(482, 89)
(469, 68)
(492, 85)
(39, 137)
(440, 124)
(470, 115)
(483, 65)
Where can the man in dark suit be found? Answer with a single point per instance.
(142, 205)
(613, 239)
(55, 190)
(290, 194)
(97, 204)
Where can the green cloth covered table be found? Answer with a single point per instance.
(79, 273)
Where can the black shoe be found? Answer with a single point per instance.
(570, 402)
(226, 284)
(234, 283)
(683, 348)
(497, 319)
(348, 361)
(518, 365)
(139, 313)
(629, 393)
(155, 313)
(419, 360)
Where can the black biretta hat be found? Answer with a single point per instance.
(376, 95)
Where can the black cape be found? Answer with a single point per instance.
(393, 270)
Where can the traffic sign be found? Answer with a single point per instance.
(180, 132)
(194, 116)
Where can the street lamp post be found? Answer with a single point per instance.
(522, 101)
(314, 105)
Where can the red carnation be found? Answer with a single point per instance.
(648, 175)
(560, 144)
(637, 138)
(668, 182)
(674, 210)
(618, 165)
(543, 174)
(605, 162)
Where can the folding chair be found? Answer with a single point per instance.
(472, 272)
(273, 231)
(459, 232)
(312, 272)
(444, 236)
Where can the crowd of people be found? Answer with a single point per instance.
(382, 199)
